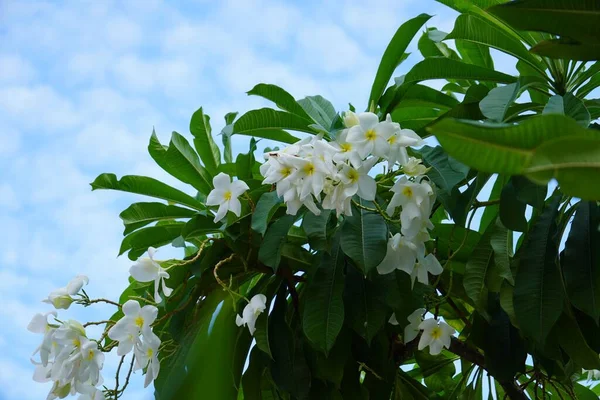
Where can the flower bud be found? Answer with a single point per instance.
(350, 119)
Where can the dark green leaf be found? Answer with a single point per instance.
(497, 102)
(572, 341)
(199, 226)
(139, 215)
(280, 97)
(570, 106)
(271, 246)
(316, 228)
(265, 208)
(512, 209)
(567, 49)
(270, 124)
(446, 68)
(203, 141)
(154, 236)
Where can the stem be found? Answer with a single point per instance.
(99, 323)
(114, 303)
(116, 391)
(478, 204)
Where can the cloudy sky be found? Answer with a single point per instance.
(83, 83)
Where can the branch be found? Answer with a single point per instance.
(463, 351)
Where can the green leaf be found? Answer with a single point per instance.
(576, 19)
(446, 68)
(437, 370)
(495, 105)
(146, 186)
(580, 260)
(323, 314)
(154, 236)
(226, 138)
(139, 215)
(476, 29)
(263, 212)
(570, 106)
(431, 45)
(271, 246)
(573, 343)
(393, 55)
(510, 149)
(244, 163)
(538, 295)
(364, 237)
(421, 95)
(567, 49)
(199, 226)
(490, 212)
(270, 124)
(501, 241)
(475, 53)
(280, 97)
(203, 141)
(512, 209)
(415, 118)
(316, 229)
(180, 161)
(320, 110)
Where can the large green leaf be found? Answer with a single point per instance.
(181, 161)
(415, 118)
(573, 342)
(272, 244)
(580, 260)
(213, 340)
(264, 210)
(576, 19)
(490, 212)
(476, 29)
(146, 186)
(512, 209)
(421, 95)
(475, 53)
(497, 102)
(280, 97)
(323, 314)
(317, 229)
(199, 226)
(203, 141)
(446, 68)
(538, 295)
(364, 237)
(394, 53)
(154, 236)
(567, 49)
(139, 215)
(570, 106)
(320, 110)
(270, 124)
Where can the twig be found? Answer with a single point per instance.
(99, 323)
(90, 302)
(116, 391)
(478, 204)
(127, 378)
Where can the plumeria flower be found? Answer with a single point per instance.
(339, 198)
(39, 324)
(293, 202)
(399, 141)
(358, 181)
(225, 195)
(436, 335)
(146, 356)
(350, 119)
(61, 298)
(346, 151)
(415, 220)
(414, 167)
(93, 393)
(423, 267)
(406, 191)
(371, 136)
(311, 172)
(411, 331)
(136, 320)
(253, 309)
(146, 269)
(278, 171)
(401, 254)
(93, 360)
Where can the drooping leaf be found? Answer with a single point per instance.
(317, 229)
(394, 53)
(320, 110)
(573, 342)
(475, 53)
(139, 215)
(570, 106)
(270, 124)
(495, 105)
(181, 161)
(280, 97)
(580, 260)
(538, 295)
(265, 208)
(446, 68)
(203, 141)
(364, 237)
(567, 49)
(491, 211)
(323, 314)
(272, 244)
(146, 186)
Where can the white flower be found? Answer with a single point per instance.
(93, 360)
(415, 221)
(136, 320)
(146, 356)
(253, 309)
(423, 267)
(436, 335)
(592, 374)
(399, 141)
(225, 195)
(147, 270)
(310, 175)
(346, 151)
(61, 298)
(350, 119)
(371, 136)
(277, 170)
(293, 202)
(393, 320)
(414, 167)
(92, 394)
(39, 324)
(359, 181)
(414, 321)
(406, 191)
(339, 198)
(401, 254)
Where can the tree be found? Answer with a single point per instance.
(355, 281)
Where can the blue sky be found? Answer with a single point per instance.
(83, 83)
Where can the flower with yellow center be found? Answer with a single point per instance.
(346, 151)
(137, 320)
(147, 269)
(371, 136)
(225, 195)
(401, 254)
(411, 331)
(146, 356)
(436, 334)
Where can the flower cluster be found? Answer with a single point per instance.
(340, 169)
(436, 334)
(67, 356)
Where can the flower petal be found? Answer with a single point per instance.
(238, 188)
(145, 270)
(222, 182)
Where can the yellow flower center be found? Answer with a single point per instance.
(407, 191)
(227, 195)
(436, 332)
(139, 321)
(149, 352)
(309, 168)
(392, 139)
(353, 175)
(76, 342)
(346, 147)
(371, 134)
(90, 355)
(286, 171)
